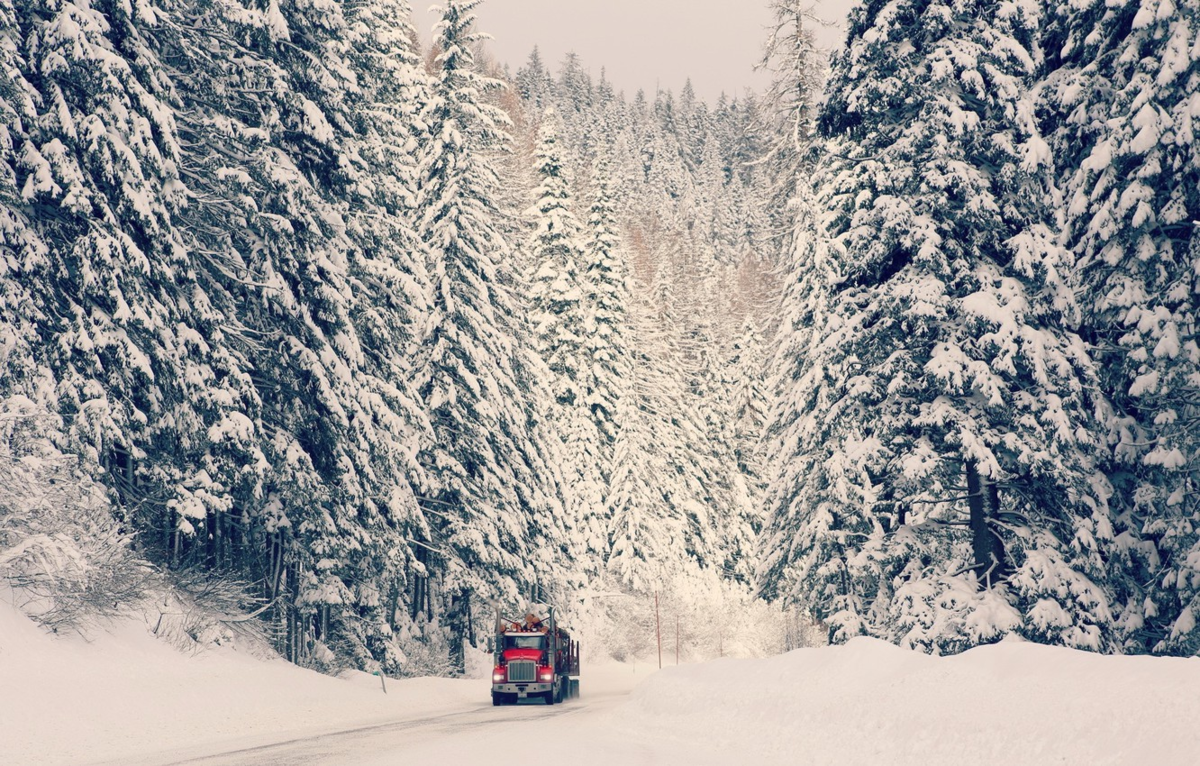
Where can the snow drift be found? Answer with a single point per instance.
(870, 702)
(122, 693)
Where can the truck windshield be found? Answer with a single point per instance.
(524, 642)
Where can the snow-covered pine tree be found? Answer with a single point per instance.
(605, 114)
(796, 66)
(646, 528)
(640, 538)
(731, 500)
(309, 316)
(719, 508)
(22, 250)
(574, 100)
(803, 257)
(347, 333)
(1119, 108)
(560, 309)
(534, 83)
(813, 497)
(98, 167)
(945, 374)
(693, 125)
(246, 208)
(555, 252)
(666, 174)
(745, 366)
(486, 472)
(390, 286)
(605, 281)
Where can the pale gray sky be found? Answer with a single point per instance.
(643, 43)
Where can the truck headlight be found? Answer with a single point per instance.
(547, 675)
(498, 677)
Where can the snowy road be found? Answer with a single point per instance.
(123, 698)
(477, 731)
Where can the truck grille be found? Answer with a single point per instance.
(522, 670)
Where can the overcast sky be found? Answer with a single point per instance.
(642, 43)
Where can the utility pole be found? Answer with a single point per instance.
(658, 629)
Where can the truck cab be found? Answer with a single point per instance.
(523, 669)
(533, 660)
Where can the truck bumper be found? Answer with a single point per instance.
(521, 690)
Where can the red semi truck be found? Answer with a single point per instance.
(534, 658)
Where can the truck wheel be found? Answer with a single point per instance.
(549, 697)
(574, 688)
(496, 701)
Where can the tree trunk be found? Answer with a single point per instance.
(211, 541)
(983, 498)
(470, 621)
(393, 605)
(276, 564)
(169, 536)
(458, 638)
(420, 583)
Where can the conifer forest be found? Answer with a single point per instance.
(325, 328)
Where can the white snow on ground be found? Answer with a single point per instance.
(872, 703)
(128, 698)
(124, 692)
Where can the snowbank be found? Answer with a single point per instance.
(127, 698)
(872, 703)
(66, 700)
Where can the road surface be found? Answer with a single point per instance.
(492, 729)
(474, 734)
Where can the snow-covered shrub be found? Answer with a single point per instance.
(195, 609)
(425, 650)
(61, 550)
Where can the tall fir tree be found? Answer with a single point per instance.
(647, 529)
(123, 330)
(938, 480)
(743, 375)
(1118, 106)
(793, 60)
(486, 472)
(555, 250)
(605, 281)
(559, 314)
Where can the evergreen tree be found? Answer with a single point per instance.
(575, 93)
(123, 329)
(608, 296)
(646, 528)
(1118, 107)
(558, 309)
(560, 320)
(486, 472)
(944, 355)
(744, 367)
(22, 250)
(534, 83)
(791, 57)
